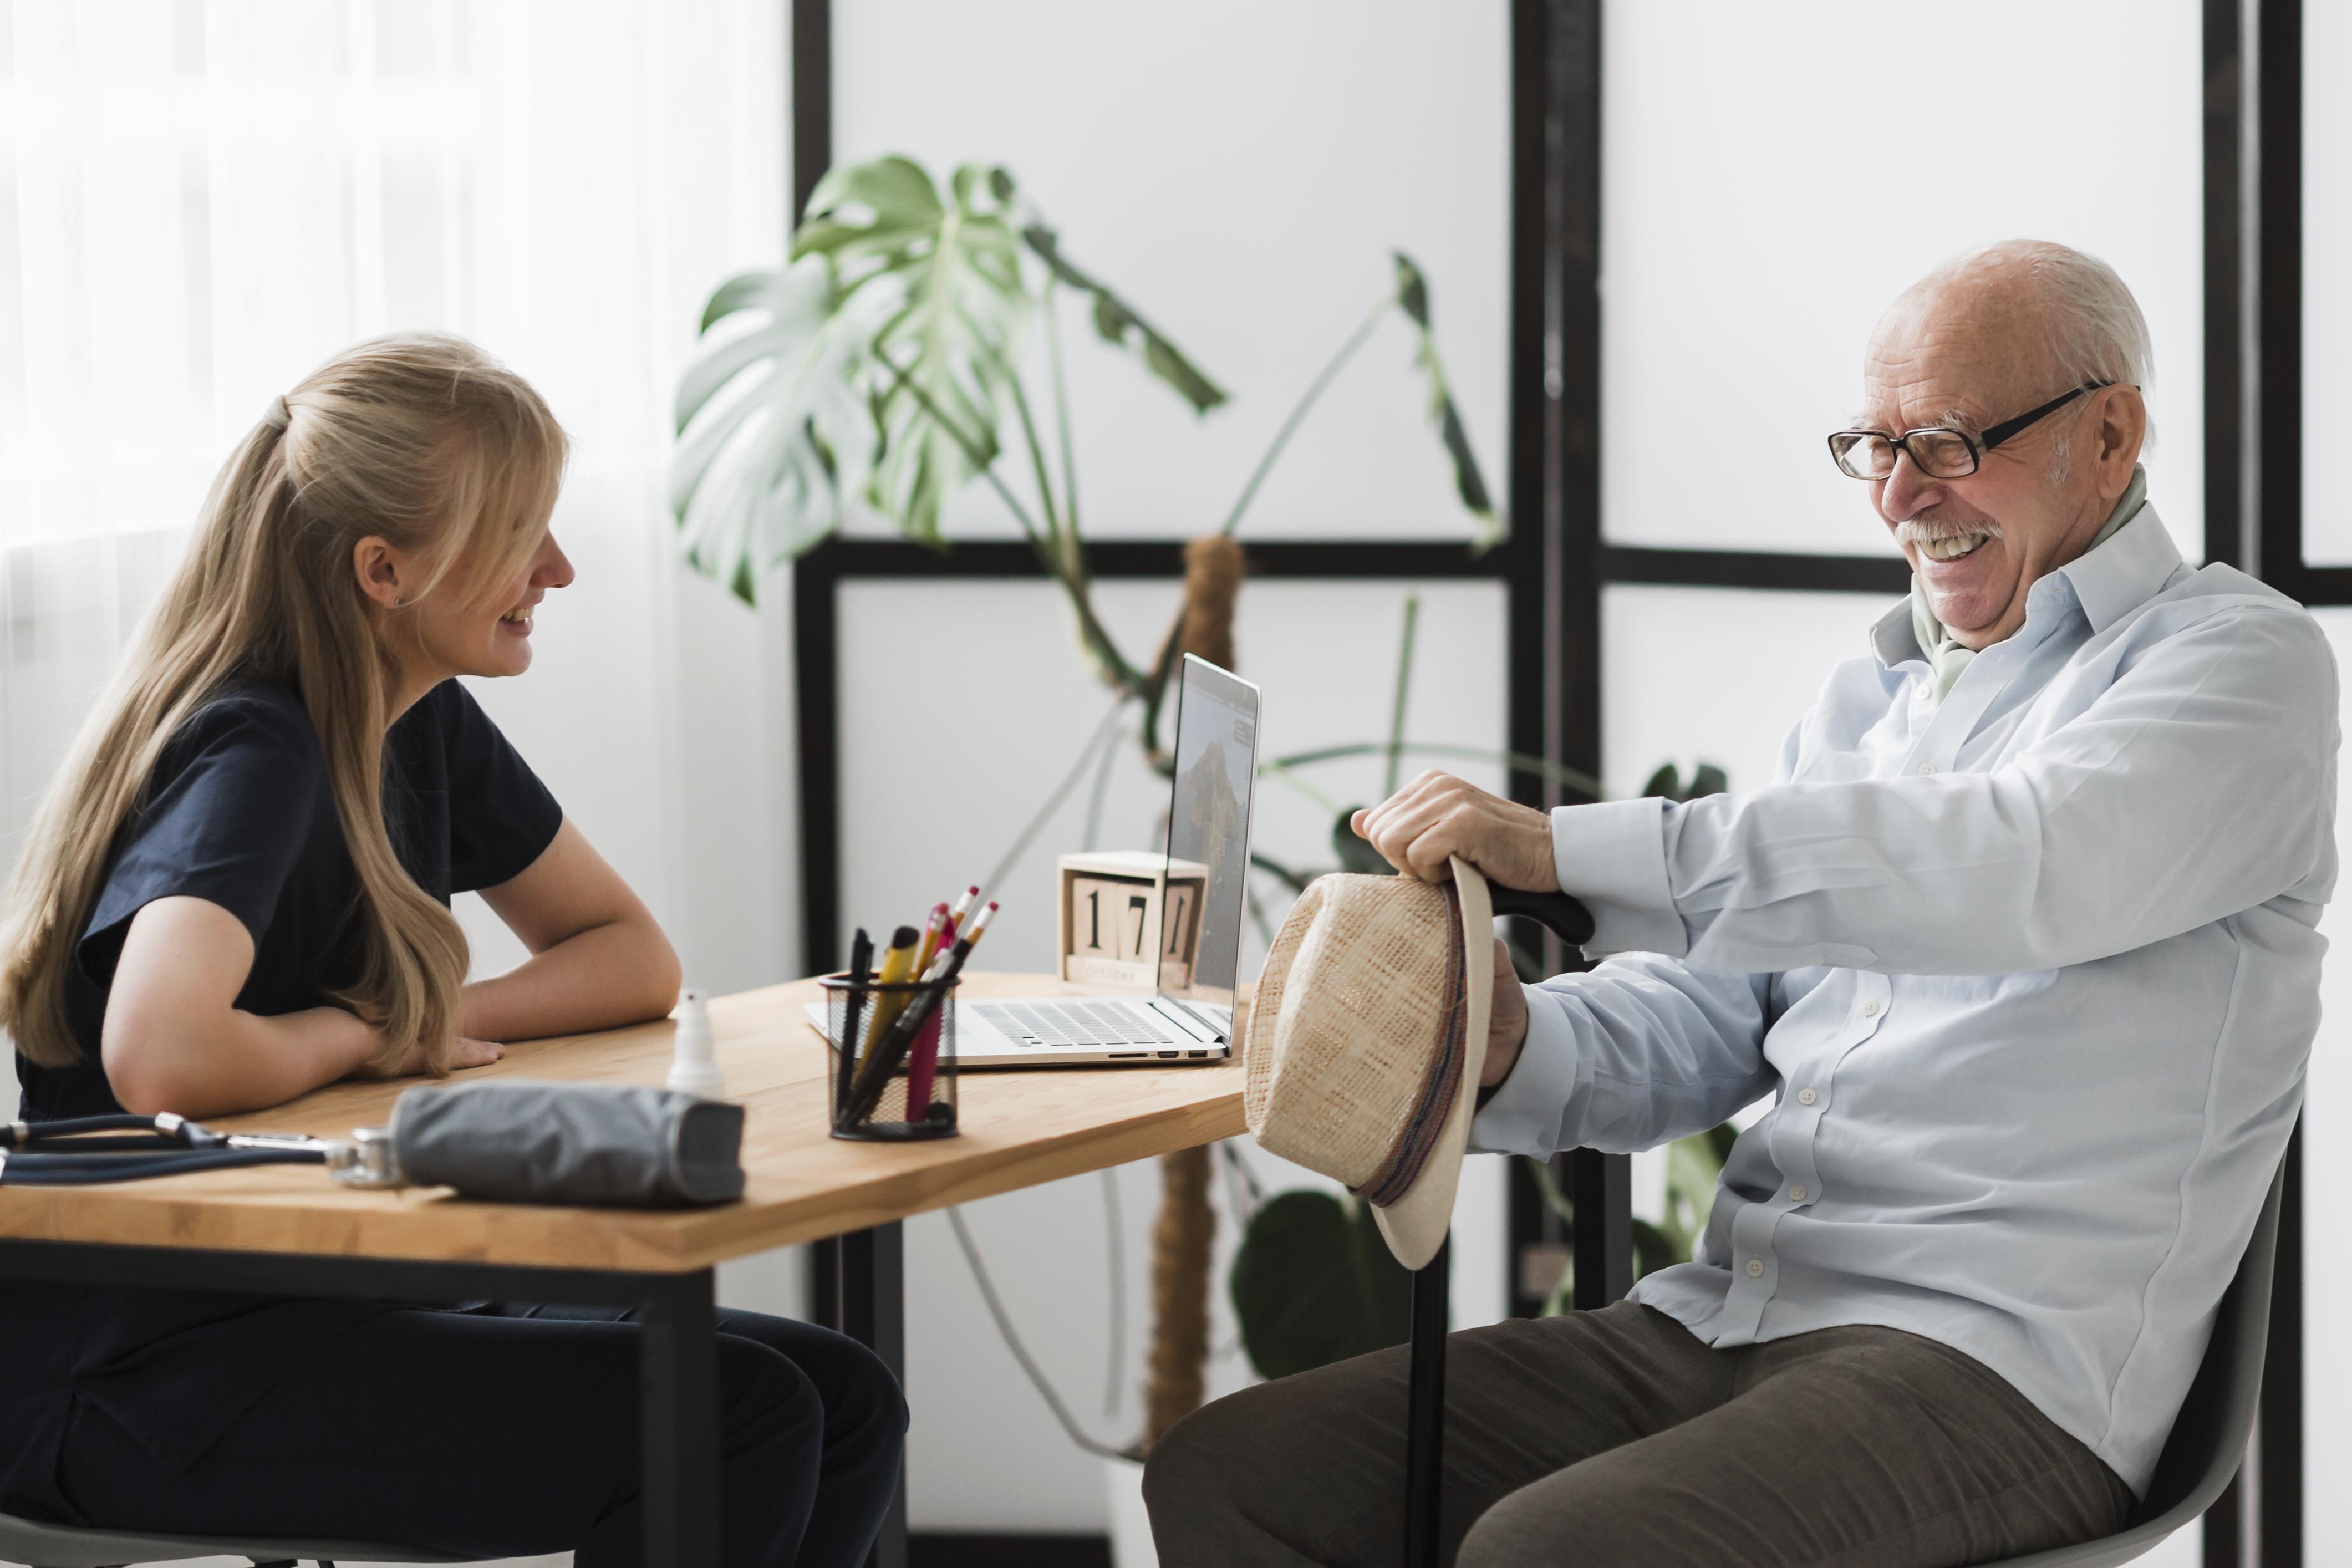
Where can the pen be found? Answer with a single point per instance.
(861, 967)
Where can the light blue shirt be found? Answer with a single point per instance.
(2031, 973)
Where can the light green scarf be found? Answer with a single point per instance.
(1947, 657)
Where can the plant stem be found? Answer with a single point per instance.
(1404, 685)
(1313, 390)
(1061, 402)
(1090, 627)
(1037, 468)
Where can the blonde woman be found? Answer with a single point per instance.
(237, 891)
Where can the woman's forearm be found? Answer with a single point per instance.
(240, 1061)
(623, 972)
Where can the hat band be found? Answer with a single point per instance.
(1414, 1146)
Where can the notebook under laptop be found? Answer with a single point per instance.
(1209, 812)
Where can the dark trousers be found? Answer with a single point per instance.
(1618, 1440)
(507, 1431)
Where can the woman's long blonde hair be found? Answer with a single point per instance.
(420, 439)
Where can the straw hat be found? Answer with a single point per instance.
(1365, 1039)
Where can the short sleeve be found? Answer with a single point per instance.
(501, 818)
(225, 818)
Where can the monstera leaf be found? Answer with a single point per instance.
(1117, 321)
(773, 432)
(1469, 483)
(941, 275)
(1314, 1283)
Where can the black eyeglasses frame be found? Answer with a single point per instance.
(1977, 445)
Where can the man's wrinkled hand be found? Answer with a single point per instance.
(1438, 815)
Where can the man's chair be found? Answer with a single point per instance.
(66, 1546)
(2208, 1436)
(2208, 1441)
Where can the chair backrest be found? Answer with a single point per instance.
(2209, 1437)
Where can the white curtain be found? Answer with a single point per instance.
(201, 200)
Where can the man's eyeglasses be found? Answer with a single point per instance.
(1937, 450)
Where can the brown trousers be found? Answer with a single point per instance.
(1617, 1437)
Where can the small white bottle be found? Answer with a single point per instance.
(695, 1069)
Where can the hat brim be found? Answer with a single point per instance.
(1415, 1224)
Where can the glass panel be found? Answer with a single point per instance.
(2327, 311)
(1716, 675)
(1743, 277)
(1241, 173)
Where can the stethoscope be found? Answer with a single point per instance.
(84, 1151)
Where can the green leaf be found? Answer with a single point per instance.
(1314, 1283)
(1667, 784)
(1114, 318)
(772, 430)
(1469, 483)
(1706, 780)
(1356, 854)
(941, 277)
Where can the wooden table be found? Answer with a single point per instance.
(288, 1229)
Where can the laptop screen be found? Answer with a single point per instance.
(1209, 821)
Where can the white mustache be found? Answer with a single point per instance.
(1920, 530)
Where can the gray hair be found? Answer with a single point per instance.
(2095, 331)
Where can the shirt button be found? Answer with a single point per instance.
(1870, 1009)
(1755, 1269)
(1805, 1097)
(1925, 768)
(1797, 1193)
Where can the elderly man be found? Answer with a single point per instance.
(2021, 942)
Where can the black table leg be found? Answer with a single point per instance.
(866, 1275)
(1424, 1418)
(679, 1396)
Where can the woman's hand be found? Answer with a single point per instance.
(469, 1052)
(1507, 1020)
(1437, 816)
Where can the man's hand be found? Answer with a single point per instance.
(1506, 1021)
(1437, 815)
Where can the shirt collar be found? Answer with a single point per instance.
(2108, 580)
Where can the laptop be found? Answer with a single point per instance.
(1191, 1018)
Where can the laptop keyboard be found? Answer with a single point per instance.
(1075, 1024)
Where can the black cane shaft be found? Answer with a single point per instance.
(1424, 1448)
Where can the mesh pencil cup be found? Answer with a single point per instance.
(899, 1083)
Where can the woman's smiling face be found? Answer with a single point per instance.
(460, 625)
(467, 627)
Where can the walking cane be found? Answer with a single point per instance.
(1425, 1418)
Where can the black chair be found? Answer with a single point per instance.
(2208, 1441)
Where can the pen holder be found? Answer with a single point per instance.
(910, 1092)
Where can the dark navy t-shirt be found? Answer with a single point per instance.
(239, 813)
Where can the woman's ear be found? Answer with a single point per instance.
(379, 568)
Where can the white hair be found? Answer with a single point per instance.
(2094, 330)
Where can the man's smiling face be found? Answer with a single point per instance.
(1971, 351)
